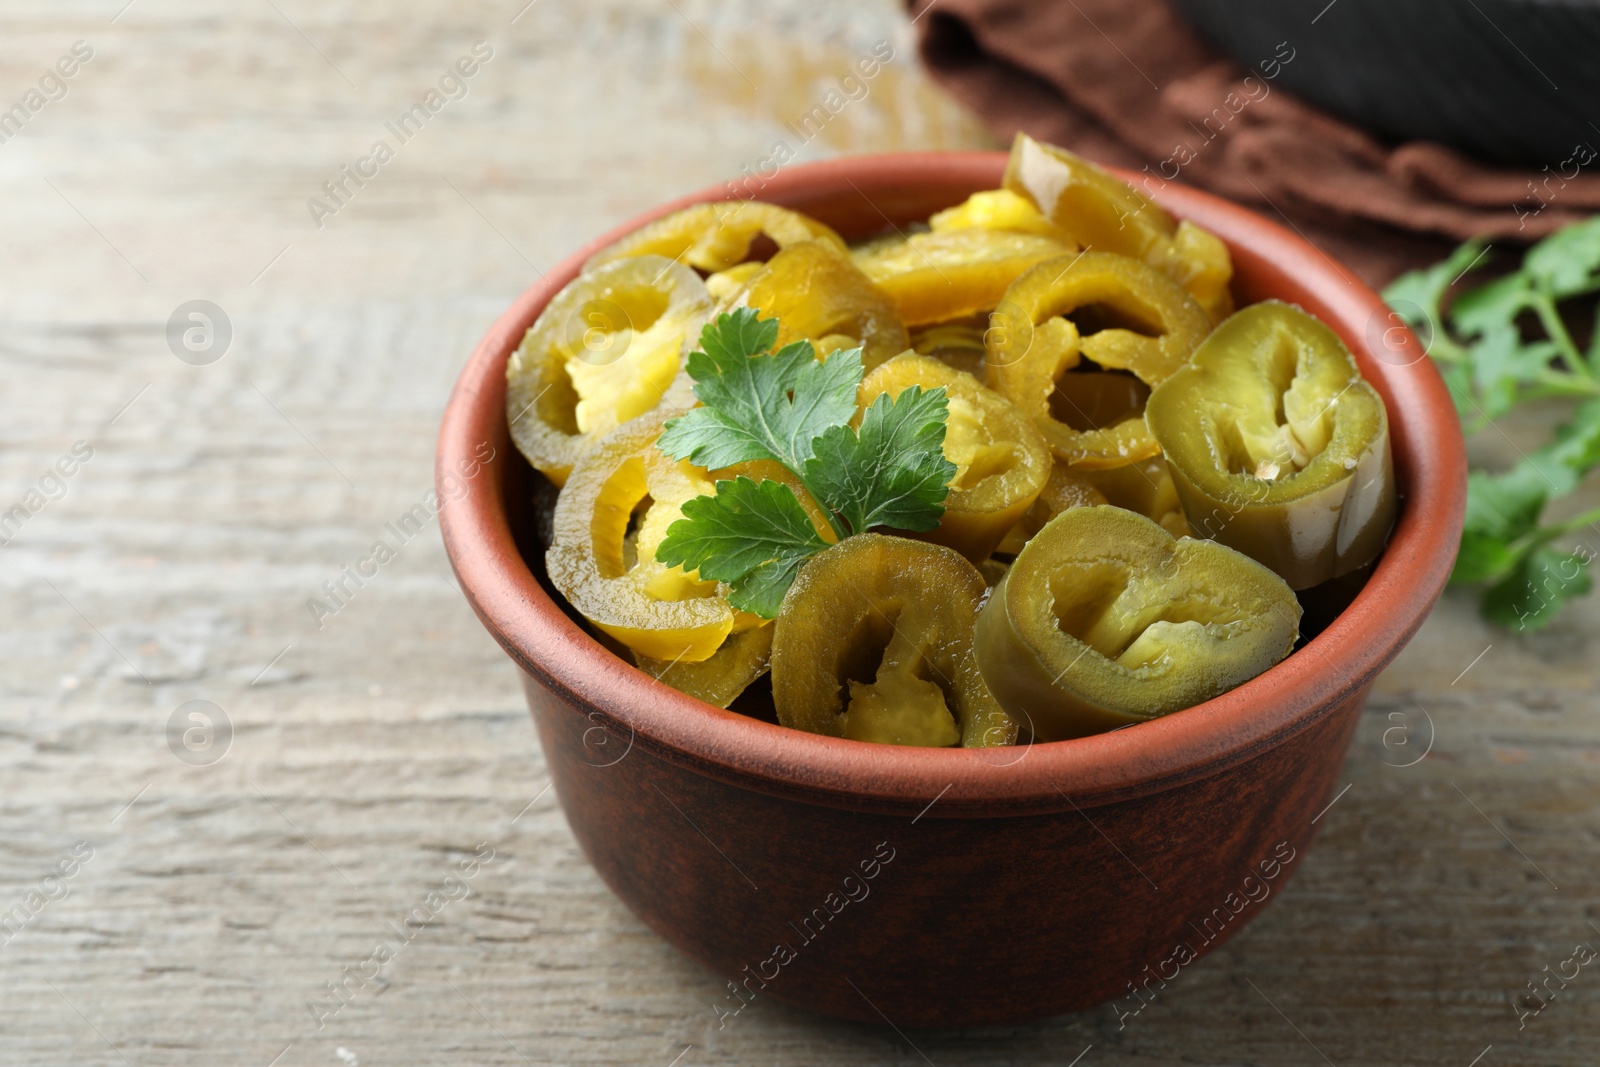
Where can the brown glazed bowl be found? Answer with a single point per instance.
(946, 887)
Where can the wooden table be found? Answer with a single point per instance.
(194, 911)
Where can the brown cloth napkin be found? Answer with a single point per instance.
(1126, 82)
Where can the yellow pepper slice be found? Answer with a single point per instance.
(1105, 214)
(725, 283)
(1197, 259)
(874, 643)
(715, 237)
(936, 277)
(815, 292)
(998, 209)
(1001, 458)
(602, 557)
(1141, 322)
(604, 351)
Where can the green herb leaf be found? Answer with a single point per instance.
(1418, 296)
(1574, 452)
(1502, 510)
(1502, 365)
(1543, 580)
(1567, 262)
(1483, 559)
(1496, 304)
(1493, 358)
(752, 535)
(1505, 506)
(892, 472)
(793, 409)
(771, 407)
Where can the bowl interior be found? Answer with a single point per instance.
(490, 533)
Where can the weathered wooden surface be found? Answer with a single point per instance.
(377, 752)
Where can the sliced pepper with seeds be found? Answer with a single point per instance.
(874, 643)
(1142, 323)
(1277, 446)
(604, 351)
(1105, 620)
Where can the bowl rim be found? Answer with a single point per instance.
(636, 710)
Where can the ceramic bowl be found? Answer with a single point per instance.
(921, 887)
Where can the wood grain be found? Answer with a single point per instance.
(377, 752)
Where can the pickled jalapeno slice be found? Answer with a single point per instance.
(958, 344)
(1106, 620)
(742, 658)
(1277, 446)
(999, 209)
(937, 277)
(1145, 488)
(610, 517)
(1122, 315)
(1102, 212)
(1065, 488)
(604, 351)
(715, 237)
(817, 294)
(874, 643)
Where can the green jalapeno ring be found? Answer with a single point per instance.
(716, 236)
(1030, 346)
(874, 642)
(1277, 447)
(1106, 620)
(1103, 212)
(617, 333)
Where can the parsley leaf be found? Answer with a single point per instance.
(1501, 510)
(892, 472)
(1500, 344)
(1574, 452)
(752, 534)
(1567, 263)
(1542, 581)
(1416, 297)
(788, 407)
(1491, 306)
(771, 408)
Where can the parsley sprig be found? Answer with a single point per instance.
(793, 409)
(1499, 345)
